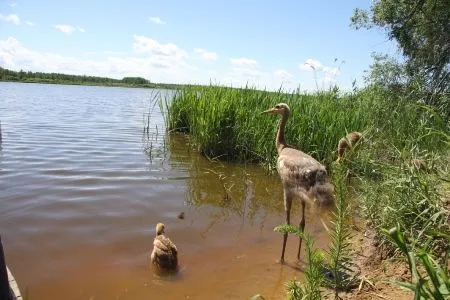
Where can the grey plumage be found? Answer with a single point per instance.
(302, 176)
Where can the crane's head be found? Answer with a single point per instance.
(279, 109)
(159, 228)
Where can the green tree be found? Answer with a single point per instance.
(134, 80)
(422, 30)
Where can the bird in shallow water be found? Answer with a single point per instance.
(348, 142)
(302, 176)
(165, 254)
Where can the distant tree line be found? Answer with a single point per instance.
(40, 77)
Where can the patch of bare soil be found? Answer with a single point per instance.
(370, 261)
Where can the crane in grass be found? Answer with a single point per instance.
(165, 254)
(348, 142)
(302, 176)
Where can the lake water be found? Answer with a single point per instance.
(82, 185)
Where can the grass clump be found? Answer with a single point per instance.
(408, 197)
(314, 275)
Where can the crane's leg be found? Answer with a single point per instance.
(302, 229)
(287, 208)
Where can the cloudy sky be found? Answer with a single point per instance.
(267, 44)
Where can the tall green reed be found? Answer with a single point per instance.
(226, 122)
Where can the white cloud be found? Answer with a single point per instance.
(14, 56)
(157, 20)
(325, 76)
(13, 4)
(147, 45)
(159, 63)
(109, 52)
(283, 75)
(67, 29)
(311, 64)
(331, 71)
(244, 62)
(330, 75)
(12, 18)
(246, 72)
(205, 54)
(29, 23)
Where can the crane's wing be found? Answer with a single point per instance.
(305, 176)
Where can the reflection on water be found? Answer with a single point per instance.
(87, 172)
(244, 191)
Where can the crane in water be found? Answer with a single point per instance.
(301, 175)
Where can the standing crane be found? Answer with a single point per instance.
(302, 176)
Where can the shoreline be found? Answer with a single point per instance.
(62, 82)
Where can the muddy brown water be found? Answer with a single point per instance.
(82, 187)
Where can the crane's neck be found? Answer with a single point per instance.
(280, 142)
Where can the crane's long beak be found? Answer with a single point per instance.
(268, 111)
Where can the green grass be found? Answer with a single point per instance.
(227, 124)
(431, 283)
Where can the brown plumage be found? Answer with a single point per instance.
(348, 142)
(165, 254)
(418, 164)
(302, 176)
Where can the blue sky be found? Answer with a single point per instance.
(264, 43)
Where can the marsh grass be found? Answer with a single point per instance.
(226, 124)
(412, 200)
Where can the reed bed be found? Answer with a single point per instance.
(225, 123)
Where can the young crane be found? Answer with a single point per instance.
(348, 142)
(165, 254)
(302, 176)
